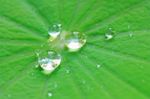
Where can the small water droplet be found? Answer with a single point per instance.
(130, 34)
(102, 87)
(75, 41)
(83, 82)
(9, 95)
(67, 71)
(50, 94)
(143, 80)
(54, 31)
(49, 62)
(141, 67)
(98, 65)
(110, 34)
(55, 85)
(32, 74)
(36, 66)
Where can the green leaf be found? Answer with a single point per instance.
(124, 61)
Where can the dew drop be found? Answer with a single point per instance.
(54, 31)
(131, 35)
(143, 80)
(67, 71)
(36, 66)
(32, 74)
(83, 81)
(9, 95)
(55, 85)
(75, 41)
(98, 65)
(110, 34)
(50, 94)
(49, 62)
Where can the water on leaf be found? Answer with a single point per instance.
(67, 71)
(131, 35)
(54, 31)
(98, 65)
(83, 81)
(75, 41)
(9, 95)
(49, 61)
(50, 94)
(110, 34)
(130, 32)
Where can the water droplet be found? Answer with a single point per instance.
(50, 94)
(55, 85)
(98, 65)
(143, 80)
(32, 74)
(9, 95)
(49, 62)
(54, 31)
(83, 82)
(36, 66)
(75, 41)
(130, 34)
(141, 67)
(110, 34)
(67, 71)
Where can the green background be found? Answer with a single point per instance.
(125, 60)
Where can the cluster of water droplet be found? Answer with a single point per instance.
(58, 40)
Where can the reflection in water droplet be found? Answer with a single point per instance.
(54, 31)
(110, 34)
(75, 41)
(49, 94)
(49, 62)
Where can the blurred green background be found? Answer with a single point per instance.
(124, 71)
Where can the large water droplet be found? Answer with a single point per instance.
(54, 31)
(49, 61)
(75, 41)
(110, 34)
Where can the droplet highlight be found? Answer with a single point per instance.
(75, 41)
